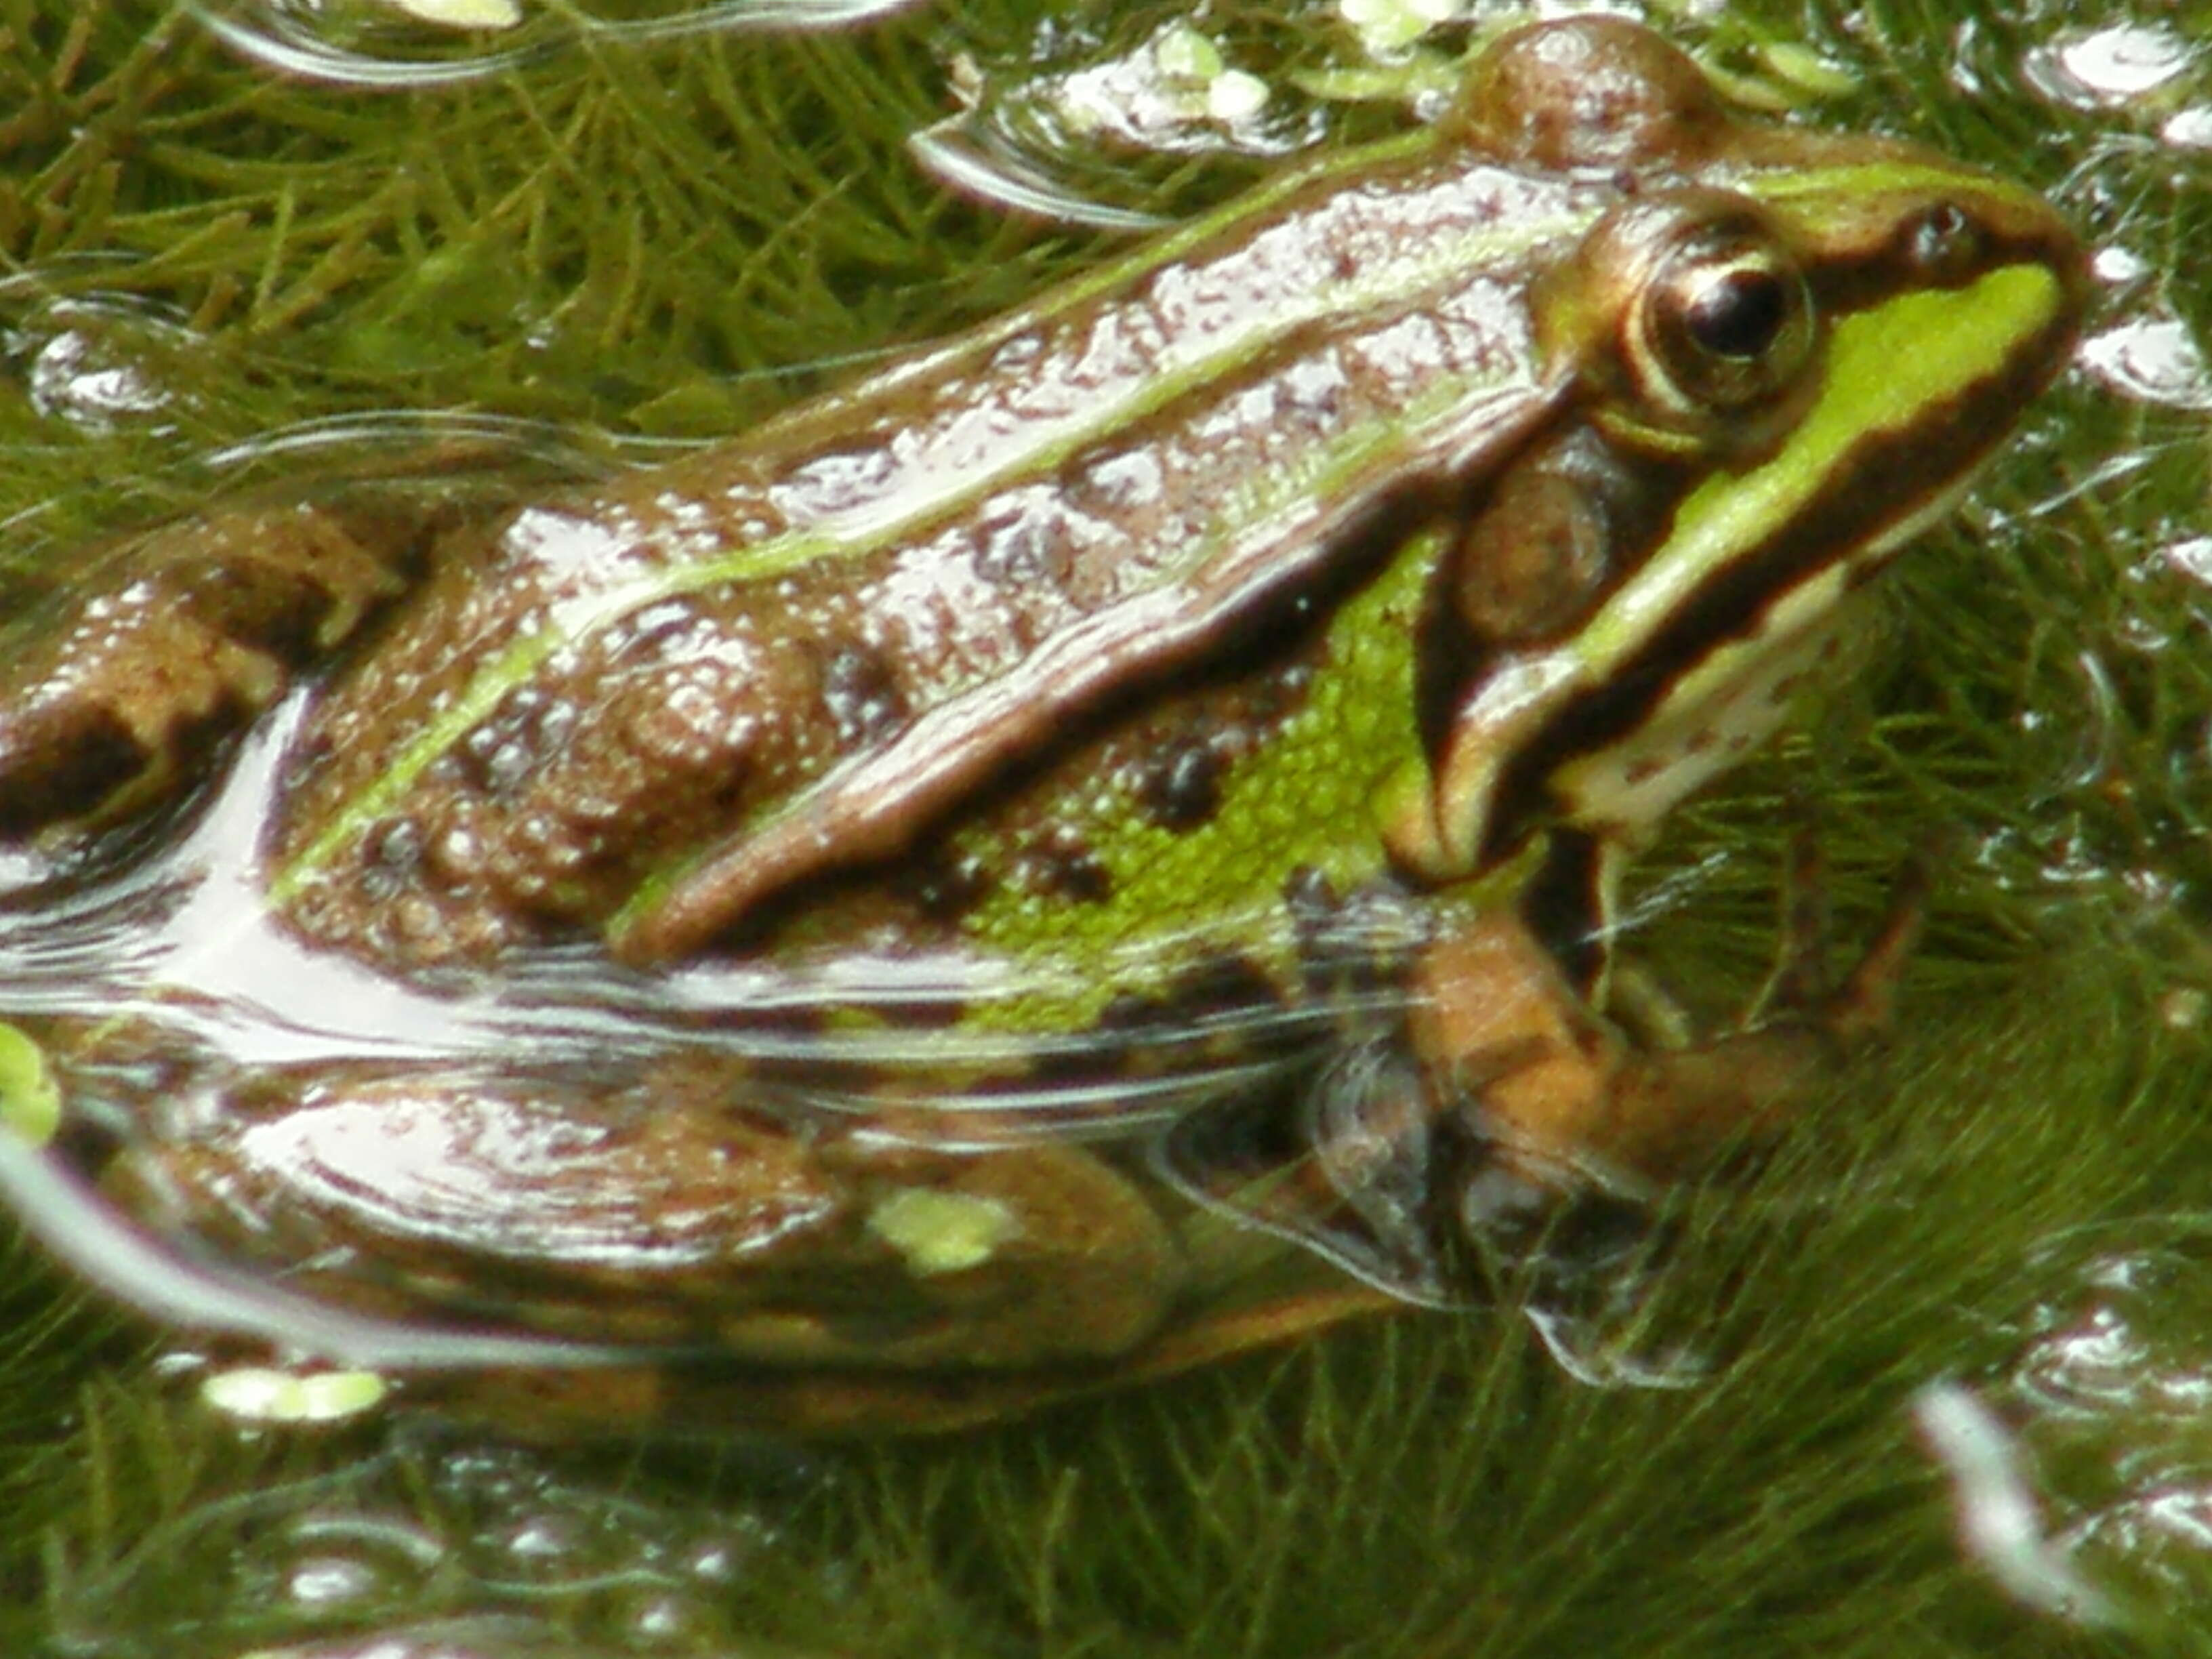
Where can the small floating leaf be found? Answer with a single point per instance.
(939, 1232)
(1235, 95)
(1804, 68)
(462, 14)
(30, 1099)
(256, 1393)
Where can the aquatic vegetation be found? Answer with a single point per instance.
(227, 275)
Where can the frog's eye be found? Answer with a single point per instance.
(1688, 319)
(1723, 324)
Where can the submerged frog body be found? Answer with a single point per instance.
(1157, 764)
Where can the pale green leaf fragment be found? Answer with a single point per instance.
(940, 1232)
(1182, 51)
(1751, 92)
(1235, 95)
(1802, 67)
(30, 1099)
(1384, 26)
(1417, 77)
(261, 1394)
(462, 14)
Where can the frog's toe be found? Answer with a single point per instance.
(1862, 1006)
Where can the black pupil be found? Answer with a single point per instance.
(1738, 315)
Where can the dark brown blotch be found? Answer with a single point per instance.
(862, 696)
(1179, 788)
(944, 885)
(62, 767)
(1067, 867)
(1222, 983)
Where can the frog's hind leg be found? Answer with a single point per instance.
(173, 638)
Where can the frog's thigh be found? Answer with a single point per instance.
(667, 1214)
(1562, 1089)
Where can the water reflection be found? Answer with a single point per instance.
(2113, 1390)
(439, 1550)
(380, 49)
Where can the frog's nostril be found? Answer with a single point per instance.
(1945, 244)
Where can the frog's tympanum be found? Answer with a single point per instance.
(1087, 852)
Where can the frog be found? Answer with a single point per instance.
(1092, 850)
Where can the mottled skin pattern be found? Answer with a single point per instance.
(1134, 725)
(687, 716)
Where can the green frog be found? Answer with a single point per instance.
(1090, 851)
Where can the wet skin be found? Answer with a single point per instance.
(1086, 852)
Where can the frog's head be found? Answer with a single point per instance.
(1781, 354)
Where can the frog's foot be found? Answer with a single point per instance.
(1571, 1098)
(1508, 1106)
(176, 637)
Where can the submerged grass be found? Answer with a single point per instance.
(654, 245)
(1439, 1486)
(1434, 1485)
(622, 247)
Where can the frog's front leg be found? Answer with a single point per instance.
(174, 637)
(1566, 1096)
